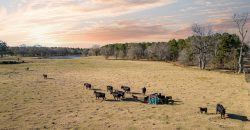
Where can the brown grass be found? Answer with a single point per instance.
(30, 102)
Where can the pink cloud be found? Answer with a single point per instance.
(38, 21)
(83, 22)
(120, 31)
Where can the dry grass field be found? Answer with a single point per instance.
(30, 102)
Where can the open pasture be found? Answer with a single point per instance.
(28, 101)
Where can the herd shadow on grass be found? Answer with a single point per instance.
(129, 99)
(125, 100)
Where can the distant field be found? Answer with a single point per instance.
(30, 102)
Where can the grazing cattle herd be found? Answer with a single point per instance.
(156, 98)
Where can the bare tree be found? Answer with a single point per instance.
(107, 51)
(135, 51)
(241, 20)
(202, 42)
(151, 52)
(158, 51)
(122, 54)
(95, 50)
(116, 52)
(163, 52)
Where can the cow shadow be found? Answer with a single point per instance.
(50, 78)
(174, 102)
(124, 100)
(171, 104)
(30, 70)
(131, 100)
(112, 100)
(237, 117)
(96, 89)
(135, 93)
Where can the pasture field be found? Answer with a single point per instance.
(61, 102)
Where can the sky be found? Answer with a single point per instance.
(84, 23)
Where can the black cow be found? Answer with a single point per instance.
(87, 85)
(45, 76)
(168, 100)
(146, 99)
(203, 109)
(121, 93)
(109, 88)
(117, 95)
(220, 109)
(144, 90)
(162, 98)
(99, 95)
(126, 89)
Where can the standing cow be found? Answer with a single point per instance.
(87, 85)
(126, 89)
(109, 88)
(144, 90)
(220, 109)
(45, 76)
(99, 95)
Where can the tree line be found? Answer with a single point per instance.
(47, 51)
(38, 51)
(202, 49)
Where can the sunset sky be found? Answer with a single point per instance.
(83, 23)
